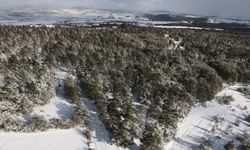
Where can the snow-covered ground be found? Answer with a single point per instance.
(70, 139)
(57, 108)
(100, 136)
(201, 123)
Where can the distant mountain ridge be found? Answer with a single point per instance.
(83, 16)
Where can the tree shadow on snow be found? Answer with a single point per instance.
(186, 144)
(65, 111)
(96, 126)
(60, 92)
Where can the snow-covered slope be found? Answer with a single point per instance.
(201, 123)
(62, 16)
(71, 139)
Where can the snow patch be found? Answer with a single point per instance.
(70, 139)
(177, 43)
(109, 95)
(192, 16)
(57, 108)
(61, 74)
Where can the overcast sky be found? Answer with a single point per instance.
(233, 8)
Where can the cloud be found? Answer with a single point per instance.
(204, 7)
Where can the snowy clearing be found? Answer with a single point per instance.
(201, 124)
(101, 138)
(57, 108)
(71, 139)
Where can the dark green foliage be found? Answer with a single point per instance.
(73, 93)
(151, 138)
(72, 90)
(208, 83)
(227, 70)
(176, 104)
(92, 87)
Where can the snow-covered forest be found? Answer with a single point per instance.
(133, 83)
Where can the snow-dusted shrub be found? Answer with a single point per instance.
(244, 90)
(247, 118)
(230, 145)
(87, 134)
(229, 129)
(226, 99)
(63, 124)
(206, 144)
(246, 142)
(80, 114)
(37, 123)
(216, 119)
(237, 122)
(10, 122)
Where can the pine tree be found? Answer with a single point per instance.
(151, 138)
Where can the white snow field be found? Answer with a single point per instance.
(200, 124)
(70, 139)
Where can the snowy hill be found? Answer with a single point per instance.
(85, 16)
(61, 16)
